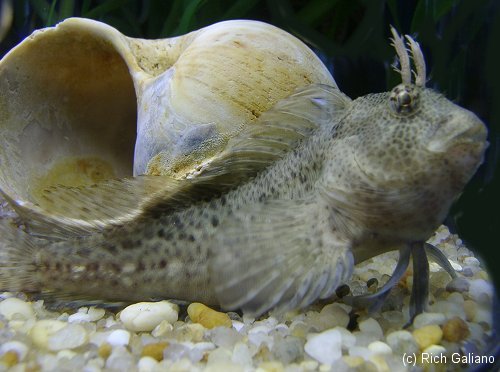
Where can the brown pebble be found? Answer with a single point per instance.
(154, 350)
(104, 350)
(10, 358)
(455, 330)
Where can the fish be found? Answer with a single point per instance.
(343, 180)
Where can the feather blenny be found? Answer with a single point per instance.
(345, 180)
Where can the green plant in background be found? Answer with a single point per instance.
(459, 39)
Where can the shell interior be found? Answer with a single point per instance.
(67, 114)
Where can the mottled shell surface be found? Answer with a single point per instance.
(81, 103)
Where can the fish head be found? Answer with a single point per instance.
(410, 153)
(401, 158)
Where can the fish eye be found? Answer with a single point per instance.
(403, 99)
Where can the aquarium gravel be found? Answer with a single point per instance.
(328, 336)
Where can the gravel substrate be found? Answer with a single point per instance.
(329, 335)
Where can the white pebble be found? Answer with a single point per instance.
(360, 351)
(177, 351)
(43, 329)
(365, 338)
(65, 353)
(260, 329)
(79, 318)
(479, 288)
(370, 325)
(241, 354)
(309, 365)
(325, 347)
(219, 355)
(471, 261)
(119, 337)
(458, 284)
(69, 337)
(120, 359)
(402, 342)
(145, 316)
(227, 337)
(86, 314)
(449, 308)
(222, 366)
(260, 338)
(14, 308)
(336, 314)
(348, 339)
(199, 350)
(18, 347)
(162, 329)
(435, 350)
(425, 319)
(147, 364)
(238, 325)
(484, 315)
(379, 347)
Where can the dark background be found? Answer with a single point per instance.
(460, 40)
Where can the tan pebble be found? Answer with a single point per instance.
(435, 350)
(271, 367)
(43, 329)
(380, 363)
(10, 358)
(428, 335)
(104, 350)
(154, 350)
(300, 330)
(189, 332)
(291, 315)
(482, 275)
(208, 317)
(263, 353)
(309, 365)
(353, 361)
(455, 330)
(223, 366)
(470, 308)
(12, 308)
(162, 329)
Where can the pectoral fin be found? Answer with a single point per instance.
(275, 133)
(279, 254)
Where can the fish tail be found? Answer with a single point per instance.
(18, 252)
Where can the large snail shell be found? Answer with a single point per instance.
(80, 102)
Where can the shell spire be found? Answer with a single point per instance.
(404, 59)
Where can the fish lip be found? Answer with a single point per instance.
(472, 133)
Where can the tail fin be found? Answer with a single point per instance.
(17, 259)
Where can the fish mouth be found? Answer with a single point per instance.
(462, 129)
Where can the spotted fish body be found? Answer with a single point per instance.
(346, 180)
